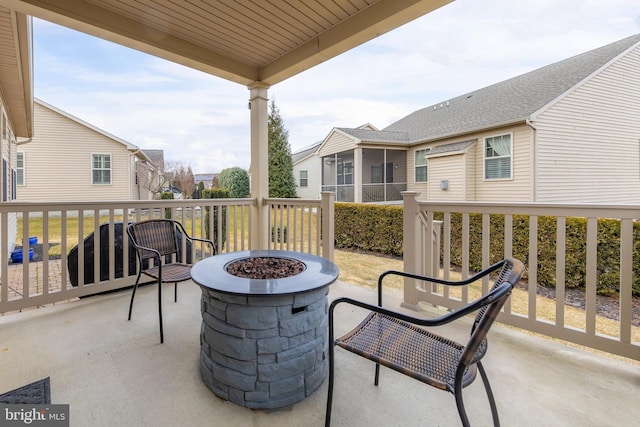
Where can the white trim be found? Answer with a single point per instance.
(129, 145)
(484, 157)
(24, 168)
(535, 114)
(102, 169)
(300, 178)
(426, 165)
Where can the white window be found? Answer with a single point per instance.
(20, 168)
(304, 178)
(497, 157)
(101, 168)
(348, 173)
(421, 165)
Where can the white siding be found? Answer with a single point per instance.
(58, 161)
(8, 153)
(516, 189)
(313, 166)
(336, 143)
(420, 187)
(468, 182)
(469, 174)
(451, 169)
(588, 142)
(146, 176)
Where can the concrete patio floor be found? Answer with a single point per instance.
(116, 373)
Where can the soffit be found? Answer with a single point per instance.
(244, 41)
(16, 81)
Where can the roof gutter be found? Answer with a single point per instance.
(470, 131)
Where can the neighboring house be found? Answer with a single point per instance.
(157, 160)
(71, 160)
(568, 132)
(16, 106)
(307, 168)
(205, 178)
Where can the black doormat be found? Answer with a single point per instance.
(35, 393)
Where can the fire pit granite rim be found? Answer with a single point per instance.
(211, 273)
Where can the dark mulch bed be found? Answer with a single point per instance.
(606, 306)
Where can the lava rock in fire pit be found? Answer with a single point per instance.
(265, 268)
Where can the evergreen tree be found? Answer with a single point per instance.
(281, 180)
(197, 193)
(236, 180)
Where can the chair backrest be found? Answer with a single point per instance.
(158, 234)
(510, 274)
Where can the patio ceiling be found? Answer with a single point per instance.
(242, 41)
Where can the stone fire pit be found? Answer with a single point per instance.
(264, 325)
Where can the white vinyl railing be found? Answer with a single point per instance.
(71, 259)
(302, 225)
(583, 325)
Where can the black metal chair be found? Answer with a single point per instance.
(404, 343)
(161, 240)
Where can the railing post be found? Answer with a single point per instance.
(258, 103)
(327, 210)
(410, 246)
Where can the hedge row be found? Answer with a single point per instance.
(379, 229)
(370, 228)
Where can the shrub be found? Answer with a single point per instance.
(379, 229)
(279, 234)
(371, 228)
(167, 195)
(236, 180)
(216, 193)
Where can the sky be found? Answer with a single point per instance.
(202, 121)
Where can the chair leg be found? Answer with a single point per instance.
(460, 405)
(492, 402)
(327, 420)
(377, 377)
(160, 309)
(175, 292)
(133, 294)
(457, 392)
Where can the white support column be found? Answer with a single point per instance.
(410, 247)
(328, 223)
(259, 105)
(357, 175)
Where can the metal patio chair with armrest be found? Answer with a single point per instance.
(404, 343)
(161, 240)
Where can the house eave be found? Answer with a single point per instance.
(128, 145)
(17, 84)
(469, 131)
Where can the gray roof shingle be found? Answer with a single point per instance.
(451, 148)
(506, 102)
(305, 152)
(377, 135)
